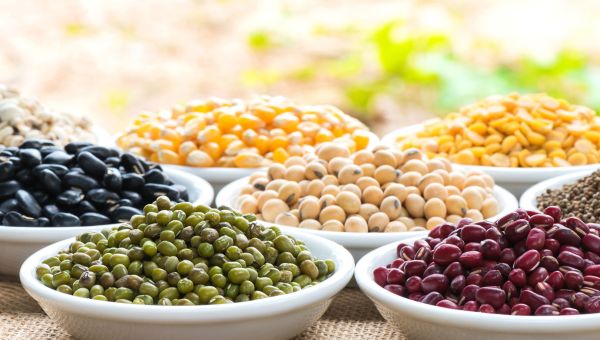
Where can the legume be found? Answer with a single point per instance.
(42, 184)
(243, 134)
(256, 262)
(525, 263)
(333, 192)
(532, 130)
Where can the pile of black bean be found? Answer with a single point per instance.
(42, 184)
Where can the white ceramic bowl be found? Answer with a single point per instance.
(219, 177)
(360, 243)
(529, 198)
(422, 321)
(515, 180)
(279, 317)
(16, 243)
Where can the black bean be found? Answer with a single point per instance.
(124, 202)
(29, 206)
(59, 157)
(5, 153)
(7, 169)
(70, 197)
(30, 157)
(50, 210)
(40, 196)
(132, 182)
(133, 197)
(98, 151)
(123, 214)
(183, 193)
(43, 222)
(113, 162)
(155, 176)
(51, 182)
(9, 205)
(114, 152)
(151, 191)
(74, 147)
(101, 197)
(85, 207)
(89, 219)
(131, 163)
(57, 169)
(31, 144)
(91, 164)
(13, 218)
(63, 219)
(76, 180)
(24, 177)
(112, 179)
(46, 150)
(8, 189)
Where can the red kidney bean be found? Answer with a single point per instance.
(535, 239)
(471, 306)
(546, 252)
(493, 234)
(550, 263)
(573, 280)
(539, 274)
(446, 253)
(458, 283)
(517, 230)
(442, 230)
(490, 249)
(565, 294)
(396, 263)
(432, 298)
(471, 246)
(491, 295)
(561, 303)
(486, 308)
(590, 255)
(556, 280)
(587, 263)
(492, 278)
(577, 226)
(533, 299)
(506, 219)
(510, 289)
(566, 236)
(520, 309)
(592, 243)
(432, 269)
(472, 233)
(508, 256)
(591, 281)
(395, 276)
(414, 268)
(569, 311)
(593, 305)
(573, 250)
(463, 222)
(455, 240)
(554, 212)
(380, 276)
(415, 296)
(544, 289)
(447, 304)
(518, 277)
(421, 244)
(552, 245)
(528, 260)
(407, 253)
(474, 279)
(395, 288)
(471, 259)
(468, 294)
(454, 269)
(519, 248)
(504, 309)
(546, 310)
(413, 284)
(569, 259)
(578, 300)
(541, 220)
(434, 282)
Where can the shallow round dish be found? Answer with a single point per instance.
(360, 243)
(515, 180)
(219, 177)
(279, 317)
(529, 198)
(16, 243)
(418, 320)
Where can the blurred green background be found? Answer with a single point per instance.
(390, 63)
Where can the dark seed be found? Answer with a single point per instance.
(30, 157)
(70, 197)
(63, 219)
(58, 157)
(89, 219)
(77, 180)
(91, 164)
(29, 206)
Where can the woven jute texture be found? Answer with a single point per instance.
(351, 316)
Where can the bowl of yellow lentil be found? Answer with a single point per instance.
(222, 140)
(519, 140)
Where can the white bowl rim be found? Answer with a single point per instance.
(512, 174)
(529, 198)
(458, 318)
(40, 234)
(363, 240)
(262, 308)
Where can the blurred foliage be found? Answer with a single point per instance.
(396, 61)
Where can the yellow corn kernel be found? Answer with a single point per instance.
(248, 160)
(509, 143)
(199, 158)
(226, 121)
(479, 128)
(280, 155)
(262, 144)
(193, 126)
(278, 142)
(361, 139)
(264, 113)
(234, 148)
(287, 122)
(168, 157)
(493, 148)
(154, 157)
(209, 134)
(323, 136)
(248, 121)
(577, 159)
(213, 150)
(478, 151)
(187, 147)
(445, 147)
(535, 138)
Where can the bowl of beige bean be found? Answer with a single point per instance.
(366, 199)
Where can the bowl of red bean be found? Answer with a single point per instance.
(527, 275)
